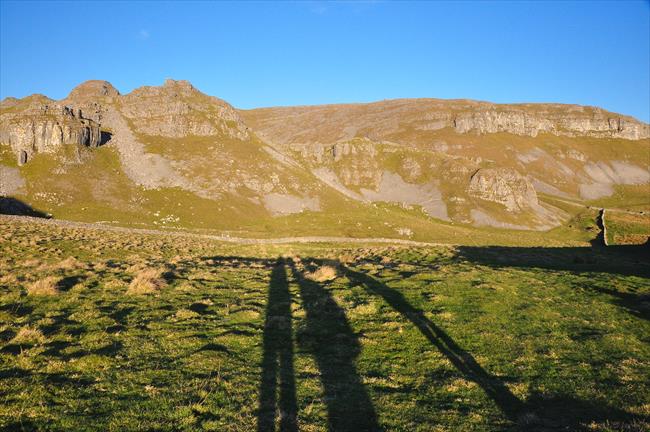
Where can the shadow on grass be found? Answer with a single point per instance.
(335, 346)
(16, 207)
(539, 412)
(327, 336)
(623, 260)
(68, 282)
(278, 377)
(461, 359)
(22, 425)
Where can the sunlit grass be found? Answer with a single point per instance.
(439, 338)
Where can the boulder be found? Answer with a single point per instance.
(504, 186)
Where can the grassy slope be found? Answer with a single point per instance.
(97, 190)
(467, 338)
(626, 228)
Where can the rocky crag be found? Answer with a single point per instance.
(40, 125)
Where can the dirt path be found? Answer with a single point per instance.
(223, 238)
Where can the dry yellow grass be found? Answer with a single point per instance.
(31, 263)
(136, 268)
(44, 287)
(114, 284)
(347, 258)
(8, 279)
(28, 335)
(70, 263)
(324, 273)
(183, 314)
(147, 281)
(99, 266)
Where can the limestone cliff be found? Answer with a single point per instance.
(580, 121)
(40, 125)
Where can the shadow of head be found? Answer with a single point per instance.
(13, 206)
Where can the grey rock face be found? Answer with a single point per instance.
(593, 123)
(93, 98)
(43, 127)
(504, 186)
(177, 110)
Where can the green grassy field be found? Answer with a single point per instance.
(116, 331)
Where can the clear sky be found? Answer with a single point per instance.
(267, 54)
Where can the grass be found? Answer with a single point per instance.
(476, 338)
(147, 281)
(325, 273)
(627, 197)
(45, 286)
(627, 228)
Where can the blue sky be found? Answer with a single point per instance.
(267, 54)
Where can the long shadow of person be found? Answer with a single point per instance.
(277, 360)
(508, 403)
(329, 337)
(564, 412)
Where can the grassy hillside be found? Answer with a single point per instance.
(627, 228)
(88, 185)
(113, 331)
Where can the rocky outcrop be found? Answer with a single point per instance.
(504, 186)
(178, 110)
(39, 125)
(590, 122)
(92, 90)
(93, 98)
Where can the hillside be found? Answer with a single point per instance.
(427, 169)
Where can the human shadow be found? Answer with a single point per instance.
(16, 207)
(329, 337)
(508, 403)
(559, 411)
(278, 387)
